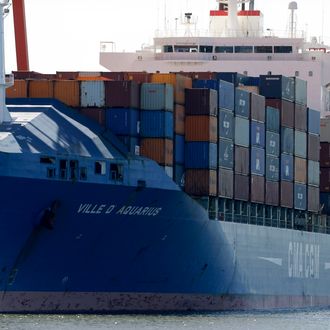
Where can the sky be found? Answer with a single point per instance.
(65, 35)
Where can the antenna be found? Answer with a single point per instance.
(4, 113)
(293, 24)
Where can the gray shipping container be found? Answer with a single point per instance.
(313, 199)
(225, 183)
(313, 147)
(287, 140)
(272, 168)
(300, 196)
(242, 132)
(272, 143)
(157, 96)
(226, 153)
(258, 106)
(226, 124)
(300, 144)
(300, 91)
(313, 173)
(242, 160)
(92, 94)
(272, 119)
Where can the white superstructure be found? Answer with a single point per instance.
(233, 45)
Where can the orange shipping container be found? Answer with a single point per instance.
(300, 170)
(19, 89)
(67, 91)
(41, 88)
(201, 128)
(160, 150)
(201, 182)
(179, 82)
(179, 119)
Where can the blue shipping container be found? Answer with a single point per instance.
(300, 196)
(226, 95)
(207, 83)
(277, 87)
(314, 121)
(257, 134)
(287, 140)
(232, 77)
(286, 167)
(157, 96)
(201, 155)
(272, 119)
(179, 175)
(123, 121)
(226, 153)
(325, 200)
(226, 124)
(272, 143)
(179, 149)
(272, 168)
(157, 124)
(242, 103)
(257, 161)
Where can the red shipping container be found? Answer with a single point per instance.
(160, 150)
(286, 194)
(96, 114)
(325, 154)
(201, 128)
(257, 189)
(300, 117)
(258, 106)
(242, 187)
(272, 193)
(242, 160)
(225, 183)
(201, 101)
(286, 108)
(313, 147)
(199, 182)
(324, 179)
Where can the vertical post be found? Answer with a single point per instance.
(4, 113)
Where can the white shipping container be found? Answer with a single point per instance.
(92, 93)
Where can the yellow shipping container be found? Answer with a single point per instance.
(19, 89)
(179, 82)
(41, 88)
(68, 92)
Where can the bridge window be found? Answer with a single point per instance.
(63, 169)
(243, 49)
(168, 49)
(263, 49)
(282, 49)
(205, 49)
(224, 49)
(73, 169)
(99, 168)
(186, 49)
(47, 160)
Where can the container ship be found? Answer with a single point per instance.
(162, 192)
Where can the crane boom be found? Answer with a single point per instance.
(22, 56)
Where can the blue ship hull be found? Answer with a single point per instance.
(125, 249)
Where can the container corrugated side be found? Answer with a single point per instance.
(257, 130)
(233, 77)
(314, 175)
(96, 114)
(287, 140)
(124, 94)
(313, 199)
(41, 88)
(201, 182)
(258, 106)
(157, 96)
(300, 91)
(18, 90)
(325, 202)
(313, 121)
(325, 154)
(300, 196)
(272, 168)
(272, 119)
(300, 117)
(324, 179)
(300, 144)
(202, 155)
(287, 167)
(68, 92)
(226, 124)
(201, 128)
(241, 187)
(123, 121)
(242, 132)
(300, 170)
(206, 83)
(242, 160)
(272, 193)
(325, 130)
(179, 146)
(179, 82)
(225, 183)
(277, 86)
(226, 95)
(286, 194)
(242, 103)
(160, 150)
(313, 152)
(156, 123)
(257, 161)
(92, 94)
(257, 189)
(179, 119)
